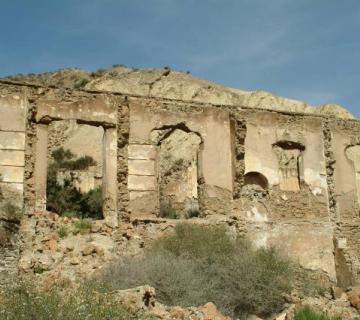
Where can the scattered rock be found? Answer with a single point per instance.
(52, 245)
(354, 297)
(89, 249)
(139, 298)
(211, 312)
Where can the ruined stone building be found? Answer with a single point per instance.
(288, 177)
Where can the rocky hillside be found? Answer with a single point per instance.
(172, 84)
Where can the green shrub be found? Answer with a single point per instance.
(203, 263)
(83, 226)
(91, 203)
(168, 211)
(306, 313)
(22, 301)
(81, 163)
(64, 159)
(60, 155)
(65, 199)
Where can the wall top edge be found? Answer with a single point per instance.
(171, 100)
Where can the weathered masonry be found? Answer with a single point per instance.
(291, 180)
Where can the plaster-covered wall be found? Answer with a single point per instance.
(215, 159)
(264, 129)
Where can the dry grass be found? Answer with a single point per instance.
(201, 264)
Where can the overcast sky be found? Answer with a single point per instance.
(302, 49)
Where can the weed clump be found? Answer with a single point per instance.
(62, 232)
(168, 211)
(204, 263)
(83, 226)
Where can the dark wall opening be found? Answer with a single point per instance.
(256, 178)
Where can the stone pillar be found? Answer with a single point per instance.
(41, 166)
(13, 110)
(110, 177)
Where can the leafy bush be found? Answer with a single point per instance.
(306, 313)
(22, 301)
(64, 159)
(91, 202)
(60, 155)
(203, 263)
(81, 163)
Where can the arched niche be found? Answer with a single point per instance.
(256, 178)
(289, 154)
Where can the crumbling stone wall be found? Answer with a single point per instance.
(13, 110)
(123, 128)
(284, 179)
(345, 204)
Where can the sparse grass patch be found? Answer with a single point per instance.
(83, 226)
(306, 313)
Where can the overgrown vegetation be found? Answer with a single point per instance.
(22, 301)
(66, 199)
(306, 313)
(199, 264)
